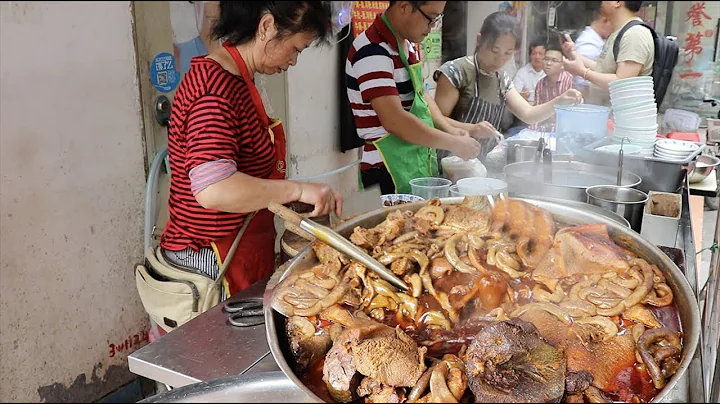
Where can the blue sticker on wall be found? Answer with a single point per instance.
(162, 72)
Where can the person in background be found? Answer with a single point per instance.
(227, 157)
(590, 43)
(635, 58)
(556, 81)
(475, 89)
(393, 112)
(528, 76)
(191, 23)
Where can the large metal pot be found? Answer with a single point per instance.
(623, 236)
(562, 180)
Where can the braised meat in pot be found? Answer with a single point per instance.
(504, 305)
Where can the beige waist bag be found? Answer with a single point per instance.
(172, 296)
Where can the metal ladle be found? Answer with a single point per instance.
(621, 154)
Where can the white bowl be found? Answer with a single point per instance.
(626, 92)
(482, 186)
(631, 99)
(676, 145)
(398, 199)
(668, 156)
(635, 106)
(634, 121)
(672, 153)
(628, 149)
(649, 128)
(647, 110)
(630, 81)
(632, 87)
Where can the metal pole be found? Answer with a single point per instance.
(711, 324)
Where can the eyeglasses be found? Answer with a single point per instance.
(431, 21)
(551, 60)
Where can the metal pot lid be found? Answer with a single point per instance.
(266, 387)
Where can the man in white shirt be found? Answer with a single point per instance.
(528, 76)
(590, 43)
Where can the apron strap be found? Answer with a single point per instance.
(245, 73)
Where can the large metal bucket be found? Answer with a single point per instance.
(623, 236)
(562, 180)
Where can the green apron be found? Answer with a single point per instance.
(406, 161)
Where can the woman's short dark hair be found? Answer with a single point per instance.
(496, 25)
(633, 6)
(239, 20)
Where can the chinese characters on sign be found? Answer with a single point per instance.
(692, 45)
(364, 13)
(696, 14)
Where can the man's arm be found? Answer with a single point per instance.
(624, 70)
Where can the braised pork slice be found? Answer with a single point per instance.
(581, 250)
(509, 362)
(375, 392)
(367, 348)
(603, 359)
(306, 344)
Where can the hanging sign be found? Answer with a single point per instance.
(163, 75)
(364, 13)
(432, 47)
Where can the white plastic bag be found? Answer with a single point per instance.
(455, 168)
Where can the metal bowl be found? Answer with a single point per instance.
(698, 174)
(623, 236)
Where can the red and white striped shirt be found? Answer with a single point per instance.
(374, 69)
(214, 129)
(547, 91)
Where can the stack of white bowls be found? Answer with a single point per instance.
(674, 150)
(635, 112)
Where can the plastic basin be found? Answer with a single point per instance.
(582, 119)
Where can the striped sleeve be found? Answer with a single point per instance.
(210, 133)
(566, 80)
(374, 69)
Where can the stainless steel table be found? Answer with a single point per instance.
(206, 348)
(209, 348)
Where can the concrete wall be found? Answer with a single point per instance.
(313, 123)
(71, 157)
(477, 11)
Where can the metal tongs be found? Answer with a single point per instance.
(543, 152)
(305, 227)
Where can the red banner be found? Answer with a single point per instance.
(364, 13)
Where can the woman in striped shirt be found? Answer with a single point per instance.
(227, 157)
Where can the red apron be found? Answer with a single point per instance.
(255, 256)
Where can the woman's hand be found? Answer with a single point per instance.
(571, 96)
(466, 147)
(323, 197)
(455, 131)
(482, 130)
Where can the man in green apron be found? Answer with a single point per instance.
(399, 121)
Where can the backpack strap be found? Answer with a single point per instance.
(616, 44)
